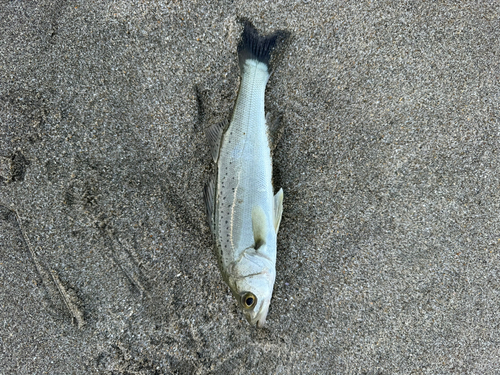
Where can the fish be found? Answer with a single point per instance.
(243, 212)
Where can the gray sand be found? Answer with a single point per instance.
(388, 252)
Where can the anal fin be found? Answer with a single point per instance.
(275, 127)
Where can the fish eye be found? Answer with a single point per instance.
(248, 300)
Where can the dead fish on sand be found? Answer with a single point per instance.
(243, 213)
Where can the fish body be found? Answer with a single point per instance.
(243, 212)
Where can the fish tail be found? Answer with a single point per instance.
(254, 46)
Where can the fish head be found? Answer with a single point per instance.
(254, 297)
(253, 288)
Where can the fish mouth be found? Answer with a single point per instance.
(261, 322)
(260, 318)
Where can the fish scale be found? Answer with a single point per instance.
(245, 167)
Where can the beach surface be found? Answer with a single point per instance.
(387, 152)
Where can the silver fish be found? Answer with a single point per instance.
(243, 213)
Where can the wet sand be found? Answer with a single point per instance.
(388, 251)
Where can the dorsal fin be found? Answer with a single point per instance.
(214, 135)
(278, 209)
(209, 197)
(259, 226)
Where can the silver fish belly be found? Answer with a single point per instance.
(243, 212)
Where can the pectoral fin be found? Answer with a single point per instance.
(259, 226)
(278, 209)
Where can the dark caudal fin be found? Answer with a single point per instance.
(254, 46)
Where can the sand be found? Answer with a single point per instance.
(388, 251)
